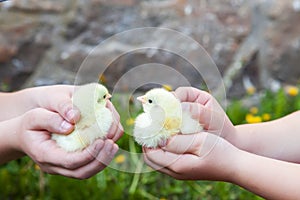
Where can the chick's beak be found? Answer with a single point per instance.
(141, 99)
(108, 96)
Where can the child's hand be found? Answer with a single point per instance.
(33, 138)
(204, 155)
(191, 157)
(57, 98)
(116, 129)
(207, 110)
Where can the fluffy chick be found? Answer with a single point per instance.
(95, 119)
(162, 118)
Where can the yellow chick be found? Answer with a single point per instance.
(95, 119)
(162, 118)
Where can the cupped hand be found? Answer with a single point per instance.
(201, 156)
(34, 139)
(56, 98)
(205, 108)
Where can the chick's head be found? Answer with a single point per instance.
(159, 97)
(101, 94)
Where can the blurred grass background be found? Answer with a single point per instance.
(22, 179)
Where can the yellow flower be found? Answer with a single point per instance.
(250, 118)
(253, 110)
(102, 78)
(120, 159)
(168, 87)
(36, 167)
(130, 121)
(162, 198)
(251, 90)
(292, 91)
(266, 116)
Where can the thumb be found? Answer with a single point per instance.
(65, 108)
(61, 102)
(42, 119)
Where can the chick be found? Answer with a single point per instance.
(162, 118)
(95, 119)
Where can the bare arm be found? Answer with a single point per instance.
(185, 157)
(269, 178)
(55, 98)
(30, 134)
(27, 119)
(14, 104)
(275, 139)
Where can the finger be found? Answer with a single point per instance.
(115, 113)
(160, 157)
(42, 119)
(207, 116)
(116, 130)
(108, 152)
(86, 171)
(71, 160)
(170, 163)
(174, 164)
(66, 108)
(83, 172)
(190, 94)
(159, 168)
(185, 144)
(63, 104)
(199, 144)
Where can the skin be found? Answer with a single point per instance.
(249, 155)
(31, 115)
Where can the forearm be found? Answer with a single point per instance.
(269, 178)
(275, 139)
(16, 103)
(9, 148)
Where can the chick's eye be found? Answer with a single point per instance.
(104, 96)
(150, 101)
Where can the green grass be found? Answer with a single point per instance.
(21, 179)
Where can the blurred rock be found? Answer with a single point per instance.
(280, 47)
(50, 40)
(36, 6)
(7, 51)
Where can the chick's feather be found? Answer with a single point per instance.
(95, 119)
(162, 118)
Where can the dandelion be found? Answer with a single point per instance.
(250, 118)
(130, 121)
(251, 90)
(266, 116)
(168, 87)
(162, 198)
(292, 91)
(254, 110)
(120, 159)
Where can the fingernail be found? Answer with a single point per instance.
(72, 114)
(115, 149)
(65, 126)
(185, 106)
(162, 143)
